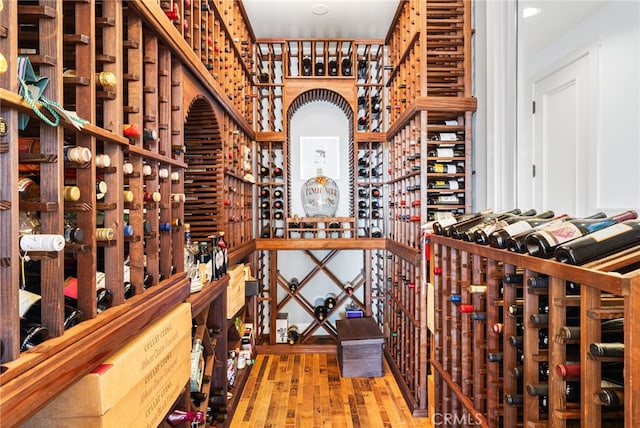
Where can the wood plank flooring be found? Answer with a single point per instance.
(306, 390)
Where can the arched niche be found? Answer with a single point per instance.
(321, 113)
(203, 178)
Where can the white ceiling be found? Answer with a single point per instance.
(352, 19)
(370, 19)
(555, 18)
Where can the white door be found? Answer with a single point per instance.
(561, 140)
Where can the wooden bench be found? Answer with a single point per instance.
(360, 344)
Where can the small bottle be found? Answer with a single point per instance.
(319, 309)
(292, 334)
(330, 301)
(293, 284)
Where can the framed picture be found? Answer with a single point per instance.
(319, 152)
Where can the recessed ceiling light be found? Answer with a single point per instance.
(528, 12)
(320, 9)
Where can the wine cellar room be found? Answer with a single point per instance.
(256, 213)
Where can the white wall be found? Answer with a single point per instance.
(319, 119)
(613, 31)
(501, 138)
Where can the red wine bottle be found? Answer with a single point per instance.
(443, 226)
(601, 243)
(471, 235)
(499, 237)
(544, 242)
(179, 417)
(481, 236)
(456, 230)
(517, 242)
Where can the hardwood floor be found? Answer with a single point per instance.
(306, 390)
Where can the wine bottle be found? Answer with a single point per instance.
(306, 66)
(319, 309)
(346, 67)
(611, 330)
(445, 152)
(611, 396)
(179, 417)
(265, 232)
(330, 300)
(482, 235)
(333, 67)
(293, 284)
(457, 229)
(517, 242)
(292, 334)
(514, 399)
(348, 288)
(443, 225)
(319, 68)
(544, 242)
(601, 243)
(538, 389)
(602, 350)
(609, 371)
(362, 69)
(31, 334)
(471, 235)
(445, 168)
(446, 184)
(278, 193)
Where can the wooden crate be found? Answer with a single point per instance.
(360, 344)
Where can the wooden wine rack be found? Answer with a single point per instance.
(162, 89)
(466, 382)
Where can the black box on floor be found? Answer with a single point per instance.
(360, 344)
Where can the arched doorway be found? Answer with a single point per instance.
(203, 177)
(337, 110)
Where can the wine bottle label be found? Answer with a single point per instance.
(127, 168)
(71, 193)
(448, 221)
(609, 232)
(561, 233)
(127, 195)
(42, 242)
(103, 161)
(24, 183)
(163, 173)
(77, 154)
(105, 234)
(446, 152)
(146, 169)
(517, 227)
(26, 300)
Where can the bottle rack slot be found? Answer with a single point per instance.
(530, 355)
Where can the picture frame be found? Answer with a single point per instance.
(319, 152)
